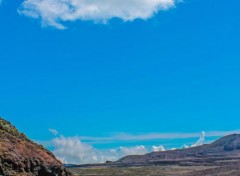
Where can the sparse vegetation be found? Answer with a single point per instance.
(10, 129)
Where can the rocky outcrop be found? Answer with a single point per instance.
(20, 156)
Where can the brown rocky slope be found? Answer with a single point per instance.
(22, 157)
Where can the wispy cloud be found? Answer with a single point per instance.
(56, 12)
(153, 136)
(201, 140)
(53, 131)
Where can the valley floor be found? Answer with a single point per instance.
(158, 171)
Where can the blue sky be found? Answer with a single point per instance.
(177, 71)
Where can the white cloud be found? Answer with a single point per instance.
(158, 148)
(200, 140)
(184, 146)
(53, 131)
(56, 12)
(71, 150)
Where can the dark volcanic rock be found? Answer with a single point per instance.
(20, 156)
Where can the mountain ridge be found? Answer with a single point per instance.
(227, 146)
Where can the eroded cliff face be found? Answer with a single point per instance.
(20, 156)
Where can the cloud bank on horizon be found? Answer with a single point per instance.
(154, 136)
(56, 12)
(71, 150)
(79, 149)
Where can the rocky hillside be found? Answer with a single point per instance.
(20, 156)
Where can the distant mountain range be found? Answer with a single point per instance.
(226, 148)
